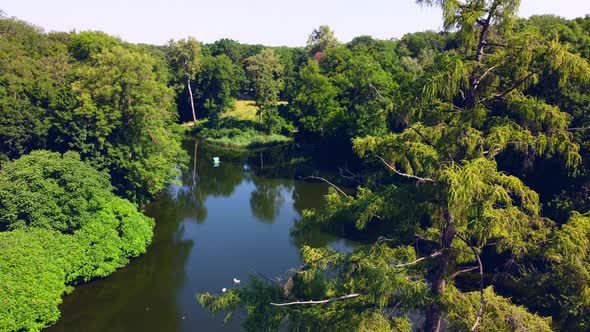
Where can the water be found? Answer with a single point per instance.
(220, 223)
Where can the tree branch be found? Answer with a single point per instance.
(513, 87)
(482, 298)
(434, 254)
(326, 181)
(344, 297)
(404, 174)
(462, 271)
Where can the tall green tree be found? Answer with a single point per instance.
(216, 86)
(124, 122)
(469, 109)
(320, 40)
(186, 59)
(265, 73)
(315, 105)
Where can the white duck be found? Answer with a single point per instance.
(236, 281)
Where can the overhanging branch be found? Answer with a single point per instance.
(326, 181)
(344, 297)
(420, 179)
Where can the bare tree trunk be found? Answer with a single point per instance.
(190, 91)
(437, 276)
(475, 77)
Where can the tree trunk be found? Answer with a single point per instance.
(437, 275)
(190, 92)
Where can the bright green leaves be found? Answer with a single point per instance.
(125, 122)
(315, 104)
(67, 226)
(45, 190)
(488, 204)
(407, 151)
(571, 241)
(265, 72)
(568, 272)
(34, 267)
(215, 85)
(448, 75)
(185, 57)
(499, 313)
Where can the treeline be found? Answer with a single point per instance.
(482, 221)
(84, 118)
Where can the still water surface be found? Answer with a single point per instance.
(220, 223)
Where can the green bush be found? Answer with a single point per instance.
(34, 268)
(47, 190)
(248, 138)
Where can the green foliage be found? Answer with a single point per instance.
(265, 73)
(185, 57)
(215, 87)
(568, 274)
(499, 314)
(320, 40)
(315, 105)
(124, 123)
(35, 267)
(68, 227)
(88, 93)
(86, 44)
(330, 274)
(45, 190)
(248, 138)
(460, 120)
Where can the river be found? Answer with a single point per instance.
(218, 223)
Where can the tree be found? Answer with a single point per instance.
(216, 84)
(185, 59)
(320, 40)
(124, 122)
(315, 104)
(45, 190)
(447, 199)
(265, 73)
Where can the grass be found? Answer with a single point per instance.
(248, 139)
(244, 110)
(239, 129)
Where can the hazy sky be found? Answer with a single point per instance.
(268, 22)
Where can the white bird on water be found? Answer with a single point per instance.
(224, 289)
(236, 281)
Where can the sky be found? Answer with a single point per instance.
(267, 22)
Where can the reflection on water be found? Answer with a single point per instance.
(221, 222)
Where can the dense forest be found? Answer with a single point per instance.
(471, 184)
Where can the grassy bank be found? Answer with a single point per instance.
(239, 128)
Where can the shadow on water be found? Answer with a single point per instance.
(220, 222)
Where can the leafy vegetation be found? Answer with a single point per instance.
(475, 143)
(65, 226)
(90, 93)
